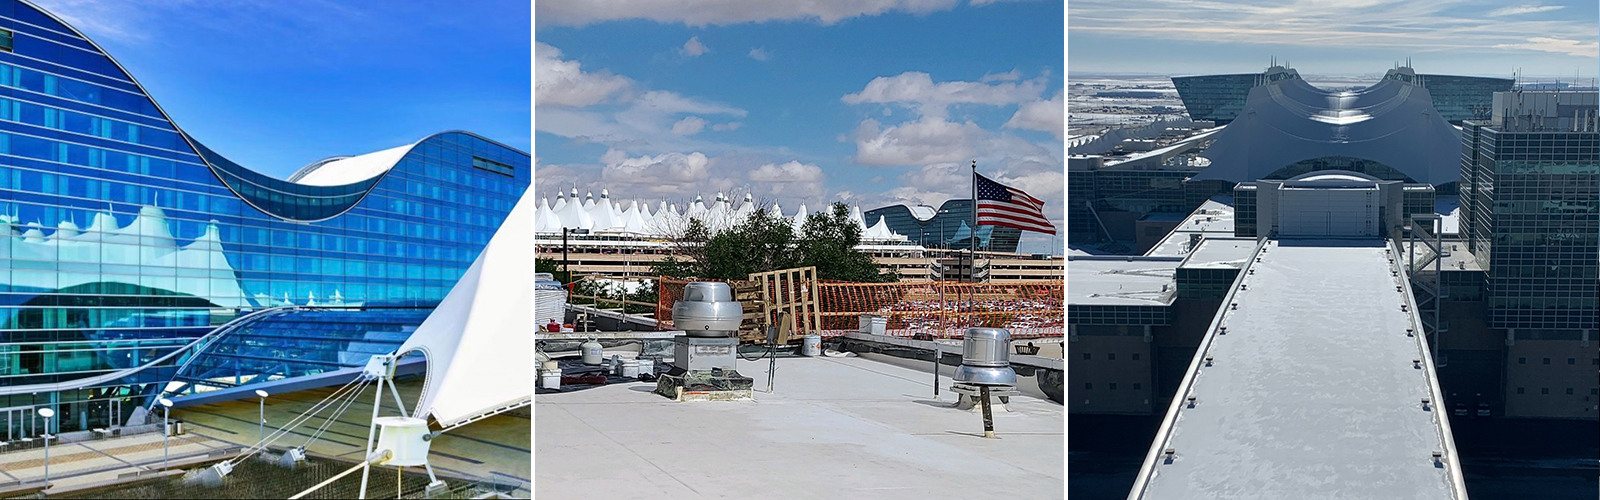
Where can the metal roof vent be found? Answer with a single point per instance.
(1169, 453)
(986, 358)
(1411, 332)
(1191, 401)
(1416, 363)
(1425, 402)
(707, 310)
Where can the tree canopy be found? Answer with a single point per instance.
(764, 241)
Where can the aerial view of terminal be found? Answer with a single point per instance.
(772, 265)
(177, 325)
(1377, 284)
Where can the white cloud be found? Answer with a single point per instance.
(721, 12)
(693, 47)
(1041, 115)
(689, 126)
(663, 173)
(727, 126)
(928, 140)
(933, 99)
(793, 171)
(1397, 26)
(1524, 9)
(1558, 45)
(759, 54)
(1009, 76)
(558, 82)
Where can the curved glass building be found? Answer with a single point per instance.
(948, 227)
(122, 238)
(1221, 98)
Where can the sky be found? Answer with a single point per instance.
(871, 102)
(274, 85)
(1546, 38)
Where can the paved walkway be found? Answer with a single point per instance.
(86, 462)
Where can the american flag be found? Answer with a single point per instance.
(999, 205)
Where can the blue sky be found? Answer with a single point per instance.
(1545, 38)
(275, 85)
(873, 103)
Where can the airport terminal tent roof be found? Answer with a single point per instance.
(478, 341)
(1282, 123)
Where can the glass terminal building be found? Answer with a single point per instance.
(1220, 98)
(948, 227)
(123, 240)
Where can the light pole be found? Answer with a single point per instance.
(47, 413)
(166, 428)
(263, 427)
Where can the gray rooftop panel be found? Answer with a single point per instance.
(1313, 392)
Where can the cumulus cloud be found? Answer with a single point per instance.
(759, 54)
(1042, 115)
(917, 89)
(689, 126)
(666, 172)
(793, 171)
(722, 12)
(928, 140)
(558, 82)
(693, 47)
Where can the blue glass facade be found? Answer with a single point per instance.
(121, 238)
(948, 229)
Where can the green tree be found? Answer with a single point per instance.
(828, 241)
(765, 241)
(552, 266)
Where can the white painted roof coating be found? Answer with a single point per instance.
(833, 428)
(1121, 282)
(1221, 253)
(354, 169)
(1212, 219)
(1313, 393)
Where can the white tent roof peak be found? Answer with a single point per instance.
(477, 340)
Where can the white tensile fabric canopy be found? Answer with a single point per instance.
(478, 341)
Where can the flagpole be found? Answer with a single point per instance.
(972, 270)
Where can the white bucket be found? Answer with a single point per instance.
(551, 379)
(630, 368)
(812, 346)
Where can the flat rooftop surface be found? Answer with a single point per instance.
(833, 428)
(1213, 219)
(1133, 281)
(1312, 393)
(1221, 253)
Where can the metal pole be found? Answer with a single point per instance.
(47, 452)
(564, 268)
(988, 419)
(166, 434)
(1439, 282)
(937, 355)
(261, 428)
(372, 433)
(972, 271)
